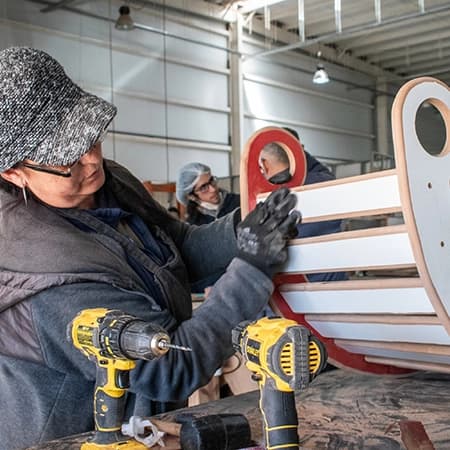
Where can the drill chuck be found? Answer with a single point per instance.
(143, 340)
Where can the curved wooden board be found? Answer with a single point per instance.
(424, 188)
(252, 181)
(337, 355)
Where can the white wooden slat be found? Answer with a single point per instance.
(361, 195)
(414, 333)
(380, 250)
(408, 364)
(360, 301)
(389, 353)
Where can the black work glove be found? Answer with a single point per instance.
(262, 236)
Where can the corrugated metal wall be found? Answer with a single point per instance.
(173, 93)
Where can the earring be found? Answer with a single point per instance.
(24, 193)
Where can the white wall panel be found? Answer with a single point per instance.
(264, 100)
(185, 123)
(198, 86)
(158, 161)
(139, 116)
(136, 73)
(217, 160)
(200, 54)
(145, 161)
(320, 143)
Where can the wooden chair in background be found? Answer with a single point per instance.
(164, 193)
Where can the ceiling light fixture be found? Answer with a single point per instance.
(320, 75)
(124, 22)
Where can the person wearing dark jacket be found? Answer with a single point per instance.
(197, 189)
(274, 164)
(79, 231)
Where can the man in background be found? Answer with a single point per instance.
(274, 164)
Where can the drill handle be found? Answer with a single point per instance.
(279, 416)
(109, 403)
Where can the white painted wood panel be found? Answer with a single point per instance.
(355, 195)
(360, 301)
(389, 353)
(362, 252)
(420, 334)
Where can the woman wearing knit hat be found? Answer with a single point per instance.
(79, 232)
(197, 189)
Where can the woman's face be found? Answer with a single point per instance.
(76, 191)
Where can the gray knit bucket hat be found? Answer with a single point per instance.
(44, 115)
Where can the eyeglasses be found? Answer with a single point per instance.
(65, 171)
(205, 186)
(60, 171)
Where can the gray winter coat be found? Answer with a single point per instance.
(50, 269)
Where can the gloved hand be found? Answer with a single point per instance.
(263, 234)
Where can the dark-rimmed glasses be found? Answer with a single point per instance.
(205, 186)
(65, 171)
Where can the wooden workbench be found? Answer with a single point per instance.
(344, 410)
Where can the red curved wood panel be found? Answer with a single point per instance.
(253, 181)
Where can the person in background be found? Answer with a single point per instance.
(197, 189)
(274, 164)
(80, 232)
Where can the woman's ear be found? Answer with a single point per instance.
(14, 176)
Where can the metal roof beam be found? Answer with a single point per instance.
(250, 6)
(351, 32)
(395, 44)
(57, 5)
(437, 65)
(416, 53)
(404, 31)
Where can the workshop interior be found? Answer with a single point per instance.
(345, 341)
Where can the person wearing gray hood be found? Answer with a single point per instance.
(79, 231)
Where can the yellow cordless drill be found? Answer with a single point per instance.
(284, 358)
(114, 340)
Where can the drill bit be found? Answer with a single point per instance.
(166, 344)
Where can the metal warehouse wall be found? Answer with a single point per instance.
(335, 120)
(171, 84)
